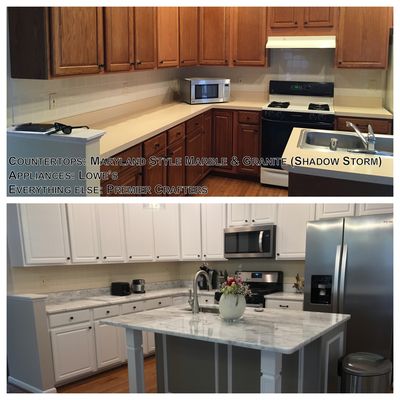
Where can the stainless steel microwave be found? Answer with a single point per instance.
(205, 90)
(250, 241)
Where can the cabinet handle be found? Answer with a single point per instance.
(138, 62)
(305, 22)
(182, 62)
(161, 61)
(226, 61)
(101, 65)
(71, 318)
(281, 306)
(157, 145)
(234, 61)
(295, 22)
(132, 63)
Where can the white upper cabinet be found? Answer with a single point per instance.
(190, 231)
(44, 234)
(166, 232)
(371, 209)
(110, 219)
(334, 210)
(213, 223)
(291, 230)
(83, 233)
(139, 232)
(251, 214)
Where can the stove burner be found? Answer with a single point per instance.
(320, 107)
(279, 104)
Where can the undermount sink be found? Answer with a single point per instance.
(205, 309)
(346, 141)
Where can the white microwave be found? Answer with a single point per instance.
(205, 90)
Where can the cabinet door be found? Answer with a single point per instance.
(223, 136)
(238, 214)
(118, 29)
(77, 40)
(363, 37)
(206, 145)
(213, 223)
(145, 24)
(108, 345)
(139, 232)
(194, 173)
(248, 145)
(167, 37)
(214, 36)
(263, 213)
(334, 210)
(176, 173)
(284, 19)
(291, 230)
(166, 232)
(110, 220)
(249, 35)
(155, 174)
(44, 233)
(372, 209)
(73, 351)
(188, 36)
(190, 222)
(83, 233)
(319, 17)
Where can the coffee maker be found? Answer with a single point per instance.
(212, 274)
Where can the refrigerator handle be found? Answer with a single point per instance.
(335, 290)
(342, 278)
(260, 241)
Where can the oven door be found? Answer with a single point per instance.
(204, 92)
(275, 135)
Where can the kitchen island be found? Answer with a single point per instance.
(270, 351)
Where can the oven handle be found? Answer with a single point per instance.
(293, 122)
(260, 239)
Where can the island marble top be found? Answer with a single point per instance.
(282, 331)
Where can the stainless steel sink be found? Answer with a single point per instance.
(346, 141)
(205, 309)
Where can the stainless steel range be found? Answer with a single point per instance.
(292, 104)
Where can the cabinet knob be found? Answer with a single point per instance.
(205, 255)
(198, 255)
(90, 327)
(101, 65)
(134, 307)
(183, 61)
(253, 220)
(71, 318)
(138, 62)
(226, 61)
(159, 302)
(132, 63)
(108, 312)
(305, 22)
(295, 22)
(68, 258)
(105, 257)
(161, 61)
(97, 257)
(246, 220)
(158, 256)
(278, 254)
(130, 257)
(234, 61)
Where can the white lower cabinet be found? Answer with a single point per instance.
(74, 352)
(108, 345)
(284, 304)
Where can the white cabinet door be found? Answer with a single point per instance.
(73, 351)
(83, 233)
(263, 213)
(44, 233)
(291, 230)
(166, 232)
(108, 345)
(139, 232)
(238, 214)
(110, 220)
(334, 210)
(372, 209)
(213, 223)
(190, 231)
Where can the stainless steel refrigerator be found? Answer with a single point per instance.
(349, 270)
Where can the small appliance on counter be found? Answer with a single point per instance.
(205, 90)
(120, 289)
(138, 286)
(212, 274)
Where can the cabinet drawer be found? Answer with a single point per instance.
(206, 299)
(132, 152)
(383, 126)
(194, 123)
(179, 300)
(284, 304)
(158, 303)
(176, 133)
(155, 144)
(132, 307)
(69, 318)
(104, 312)
(249, 117)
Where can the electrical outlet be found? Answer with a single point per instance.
(52, 101)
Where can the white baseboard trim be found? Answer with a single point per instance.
(28, 387)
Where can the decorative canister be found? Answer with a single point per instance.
(232, 306)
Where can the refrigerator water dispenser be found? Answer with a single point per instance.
(321, 289)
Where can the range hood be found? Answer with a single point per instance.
(301, 42)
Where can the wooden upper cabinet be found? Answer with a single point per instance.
(249, 35)
(284, 18)
(145, 24)
(168, 37)
(363, 37)
(77, 40)
(118, 28)
(319, 17)
(214, 36)
(188, 36)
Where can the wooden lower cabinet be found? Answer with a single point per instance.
(194, 149)
(154, 175)
(207, 138)
(176, 173)
(223, 137)
(382, 126)
(248, 146)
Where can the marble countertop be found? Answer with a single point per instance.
(285, 296)
(73, 306)
(380, 174)
(282, 331)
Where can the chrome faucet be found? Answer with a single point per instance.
(194, 302)
(369, 142)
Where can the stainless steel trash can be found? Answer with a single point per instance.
(366, 373)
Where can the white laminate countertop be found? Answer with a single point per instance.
(380, 174)
(362, 112)
(274, 330)
(285, 296)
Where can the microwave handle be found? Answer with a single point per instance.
(260, 240)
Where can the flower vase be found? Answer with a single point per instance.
(231, 306)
